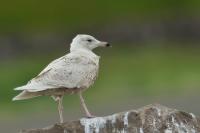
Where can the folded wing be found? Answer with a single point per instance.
(67, 71)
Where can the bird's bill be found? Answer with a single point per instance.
(104, 44)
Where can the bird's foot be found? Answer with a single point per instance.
(91, 116)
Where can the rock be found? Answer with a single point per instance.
(149, 119)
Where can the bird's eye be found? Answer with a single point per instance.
(89, 40)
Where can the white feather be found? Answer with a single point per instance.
(78, 69)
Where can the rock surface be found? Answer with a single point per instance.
(149, 119)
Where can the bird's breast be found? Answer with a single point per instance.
(90, 72)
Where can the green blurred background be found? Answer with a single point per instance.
(155, 56)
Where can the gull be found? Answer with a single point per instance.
(72, 73)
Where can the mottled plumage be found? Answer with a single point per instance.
(72, 73)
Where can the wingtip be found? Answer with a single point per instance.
(14, 99)
(19, 88)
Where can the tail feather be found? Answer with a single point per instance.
(26, 95)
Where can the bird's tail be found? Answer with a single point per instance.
(26, 95)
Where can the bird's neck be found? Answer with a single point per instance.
(84, 51)
(87, 53)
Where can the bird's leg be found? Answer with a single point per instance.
(88, 114)
(60, 107)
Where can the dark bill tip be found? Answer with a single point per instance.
(108, 45)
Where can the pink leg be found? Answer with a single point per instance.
(84, 106)
(59, 99)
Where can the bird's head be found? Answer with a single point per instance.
(82, 41)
